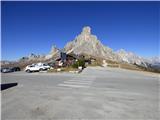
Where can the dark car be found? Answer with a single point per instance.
(14, 69)
(51, 64)
(6, 70)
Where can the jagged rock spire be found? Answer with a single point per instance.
(86, 30)
(86, 43)
(53, 49)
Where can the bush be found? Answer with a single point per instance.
(75, 65)
(78, 63)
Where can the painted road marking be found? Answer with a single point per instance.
(77, 83)
(70, 82)
(75, 86)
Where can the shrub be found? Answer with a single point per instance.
(78, 63)
(75, 65)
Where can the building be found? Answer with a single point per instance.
(65, 59)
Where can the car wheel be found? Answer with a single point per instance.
(40, 69)
(18, 69)
(28, 71)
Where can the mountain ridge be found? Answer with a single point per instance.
(89, 44)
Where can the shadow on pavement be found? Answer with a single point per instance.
(8, 85)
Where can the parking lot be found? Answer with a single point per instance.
(96, 93)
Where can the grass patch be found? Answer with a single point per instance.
(129, 66)
(113, 65)
(63, 69)
(70, 69)
(95, 63)
(52, 70)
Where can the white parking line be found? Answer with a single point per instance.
(71, 82)
(81, 80)
(76, 86)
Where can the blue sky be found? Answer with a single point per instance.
(33, 27)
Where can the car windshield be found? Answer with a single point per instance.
(31, 66)
(5, 68)
(44, 64)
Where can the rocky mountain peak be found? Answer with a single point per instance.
(32, 55)
(54, 49)
(121, 51)
(86, 30)
(87, 43)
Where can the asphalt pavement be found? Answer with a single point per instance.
(95, 94)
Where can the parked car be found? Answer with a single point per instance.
(51, 64)
(6, 70)
(37, 67)
(16, 69)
